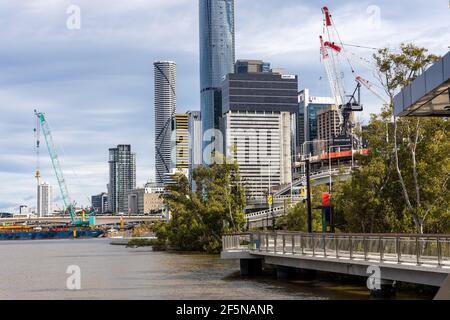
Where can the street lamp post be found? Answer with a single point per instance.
(308, 183)
(308, 196)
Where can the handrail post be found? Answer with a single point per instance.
(439, 252)
(259, 241)
(293, 244)
(381, 247)
(275, 243)
(313, 243)
(397, 248)
(351, 247)
(301, 244)
(417, 251)
(267, 242)
(365, 247)
(336, 245)
(324, 245)
(284, 243)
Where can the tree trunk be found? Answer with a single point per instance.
(397, 167)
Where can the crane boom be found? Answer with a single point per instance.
(57, 168)
(330, 54)
(369, 86)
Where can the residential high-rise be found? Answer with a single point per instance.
(122, 176)
(327, 124)
(165, 106)
(259, 111)
(217, 55)
(44, 200)
(100, 202)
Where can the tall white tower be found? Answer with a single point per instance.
(45, 200)
(165, 108)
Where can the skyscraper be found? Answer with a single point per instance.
(180, 141)
(195, 141)
(45, 200)
(122, 176)
(217, 55)
(165, 107)
(259, 112)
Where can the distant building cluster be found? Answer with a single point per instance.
(249, 112)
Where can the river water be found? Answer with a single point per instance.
(37, 270)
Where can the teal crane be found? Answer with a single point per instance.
(43, 124)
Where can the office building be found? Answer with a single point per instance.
(100, 202)
(122, 176)
(309, 106)
(180, 141)
(217, 56)
(145, 200)
(260, 113)
(165, 107)
(251, 66)
(23, 209)
(44, 200)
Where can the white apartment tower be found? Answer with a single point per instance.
(44, 200)
(165, 107)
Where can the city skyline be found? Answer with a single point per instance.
(88, 88)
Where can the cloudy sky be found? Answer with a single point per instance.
(96, 83)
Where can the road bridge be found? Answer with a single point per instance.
(413, 258)
(316, 178)
(100, 220)
(282, 200)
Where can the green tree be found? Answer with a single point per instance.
(199, 219)
(296, 218)
(402, 185)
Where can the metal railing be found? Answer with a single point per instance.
(409, 249)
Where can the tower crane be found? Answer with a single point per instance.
(331, 49)
(42, 124)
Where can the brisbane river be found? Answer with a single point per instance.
(38, 270)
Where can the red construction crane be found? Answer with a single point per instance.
(332, 51)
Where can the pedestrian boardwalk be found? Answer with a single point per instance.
(427, 254)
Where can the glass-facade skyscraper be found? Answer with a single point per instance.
(309, 106)
(217, 56)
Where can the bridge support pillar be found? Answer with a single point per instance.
(387, 289)
(251, 267)
(284, 273)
